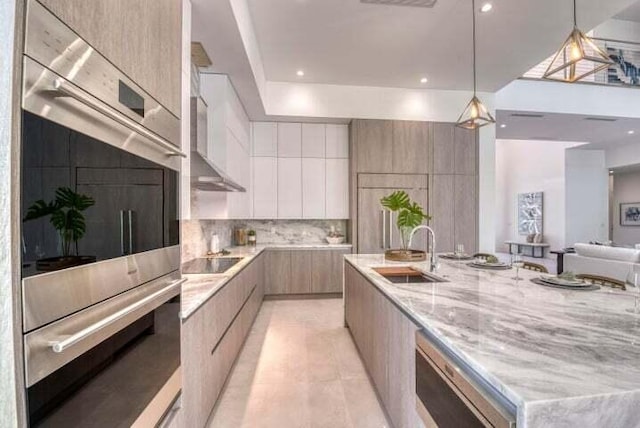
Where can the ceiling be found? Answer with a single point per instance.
(632, 13)
(600, 134)
(346, 42)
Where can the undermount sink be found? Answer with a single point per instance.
(407, 275)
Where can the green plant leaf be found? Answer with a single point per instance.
(40, 209)
(396, 201)
(76, 224)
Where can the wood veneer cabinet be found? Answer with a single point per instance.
(385, 338)
(308, 271)
(212, 338)
(143, 38)
(394, 150)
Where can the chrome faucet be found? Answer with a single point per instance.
(434, 259)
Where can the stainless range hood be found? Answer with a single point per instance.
(204, 174)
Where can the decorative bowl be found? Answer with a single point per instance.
(334, 240)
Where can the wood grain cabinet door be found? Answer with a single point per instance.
(374, 148)
(278, 272)
(143, 38)
(326, 272)
(411, 147)
(301, 267)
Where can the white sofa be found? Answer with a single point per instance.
(612, 262)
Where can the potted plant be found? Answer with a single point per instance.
(66, 217)
(409, 215)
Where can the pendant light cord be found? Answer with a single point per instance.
(575, 19)
(473, 10)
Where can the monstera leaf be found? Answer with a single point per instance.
(66, 215)
(396, 201)
(410, 214)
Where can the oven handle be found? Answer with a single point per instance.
(65, 344)
(63, 87)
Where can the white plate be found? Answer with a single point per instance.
(566, 283)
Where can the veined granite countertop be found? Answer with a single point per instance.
(564, 358)
(200, 287)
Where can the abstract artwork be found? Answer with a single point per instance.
(625, 70)
(529, 213)
(630, 214)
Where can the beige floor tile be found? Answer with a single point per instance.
(327, 406)
(362, 405)
(299, 368)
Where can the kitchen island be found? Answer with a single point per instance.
(561, 358)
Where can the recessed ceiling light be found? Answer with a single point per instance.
(424, 80)
(503, 125)
(486, 7)
(610, 172)
(300, 73)
(631, 132)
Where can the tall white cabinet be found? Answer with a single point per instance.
(228, 147)
(312, 170)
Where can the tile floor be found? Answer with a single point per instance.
(299, 368)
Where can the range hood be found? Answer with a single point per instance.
(204, 174)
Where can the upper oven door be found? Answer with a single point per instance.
(68, 82)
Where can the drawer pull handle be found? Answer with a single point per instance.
(226, 330)
(67, 90)
(69, 341)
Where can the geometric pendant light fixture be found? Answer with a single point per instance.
(577, 58)
(475, 114)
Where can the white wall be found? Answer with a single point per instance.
(558, 97)
(626, 188)
(587, 196)
(530, 166)
(620, 156)
(487, 189)
(618, 29)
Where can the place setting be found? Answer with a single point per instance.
(458, 255)
(566, 280)
(489, 262)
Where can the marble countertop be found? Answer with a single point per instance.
(200, 287)
(564, 358)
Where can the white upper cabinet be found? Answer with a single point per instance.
(313, 188)
(289, 140)
(337, 191)
(337, 141)
(313, 140)
(311, 161)
(228, 123)
(265, 139)
(265, 188)
(290, 188)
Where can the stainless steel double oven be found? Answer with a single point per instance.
(100, 237)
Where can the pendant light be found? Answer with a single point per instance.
(475, 114)
(577, 58)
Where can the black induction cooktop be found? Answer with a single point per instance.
(210, 265)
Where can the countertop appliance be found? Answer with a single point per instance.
(101, 289)
(210, 265)
(449, 396)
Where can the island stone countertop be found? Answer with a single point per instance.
(200, 287)
(564, 358)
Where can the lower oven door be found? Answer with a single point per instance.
(447, 397)
(110, 364)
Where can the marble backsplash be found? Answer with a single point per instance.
(196, 234)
